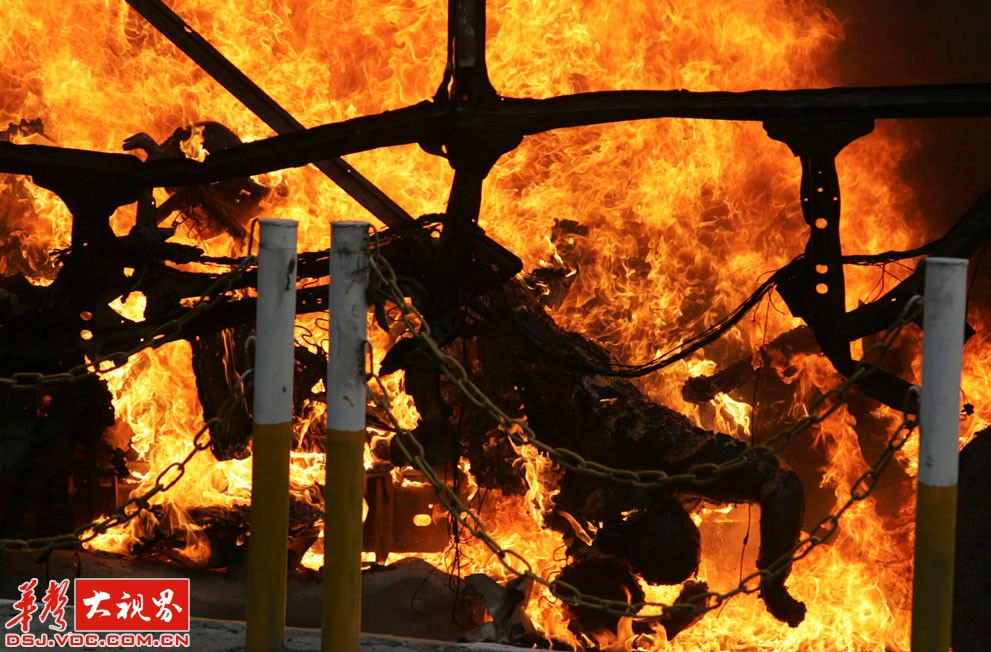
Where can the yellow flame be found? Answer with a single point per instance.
(684, 216)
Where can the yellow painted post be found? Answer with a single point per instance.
(341, 621)
(939, 431)
(271, 437)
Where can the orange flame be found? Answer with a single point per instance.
(684, 216)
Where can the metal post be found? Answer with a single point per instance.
(271, 436)
(939, 422)
(341, 623)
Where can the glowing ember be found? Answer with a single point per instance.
(683, 217)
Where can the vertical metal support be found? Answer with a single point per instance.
(341, 622)
(817, 294)
(815, 289)
(272, 435)
(470, 85)
(944, 320)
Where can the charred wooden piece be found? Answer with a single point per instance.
(702, 389)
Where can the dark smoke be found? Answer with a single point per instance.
(893, 42)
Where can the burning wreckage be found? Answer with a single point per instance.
(482, 307)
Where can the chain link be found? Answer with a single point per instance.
(163, 334)
(165, 480)
(468, 518)
(697, 604)
(698, 474)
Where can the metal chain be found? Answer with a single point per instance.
(700, 603)
(163, 334)
(698, 474)
(697, 604)
(821, 532)
(165, 480)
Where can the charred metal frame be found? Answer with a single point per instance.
(472, 126)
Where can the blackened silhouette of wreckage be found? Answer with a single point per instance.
(466, 284)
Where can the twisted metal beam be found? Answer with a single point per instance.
(432, 123)
(225, 73)
(881, 102)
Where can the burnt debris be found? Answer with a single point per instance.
(571, 391)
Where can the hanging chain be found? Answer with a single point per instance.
(170, 475)
(822, 532)
(698, 474)
(163, 334)
(821, 409)
(165, 480)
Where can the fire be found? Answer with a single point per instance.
(683, 217)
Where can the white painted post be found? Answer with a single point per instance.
(944, 319)
(271, 436)
(341, 622)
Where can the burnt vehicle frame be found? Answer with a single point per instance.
(472, 126)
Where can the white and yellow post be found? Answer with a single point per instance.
(341, 622)
(271, 437)
(944, 320)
